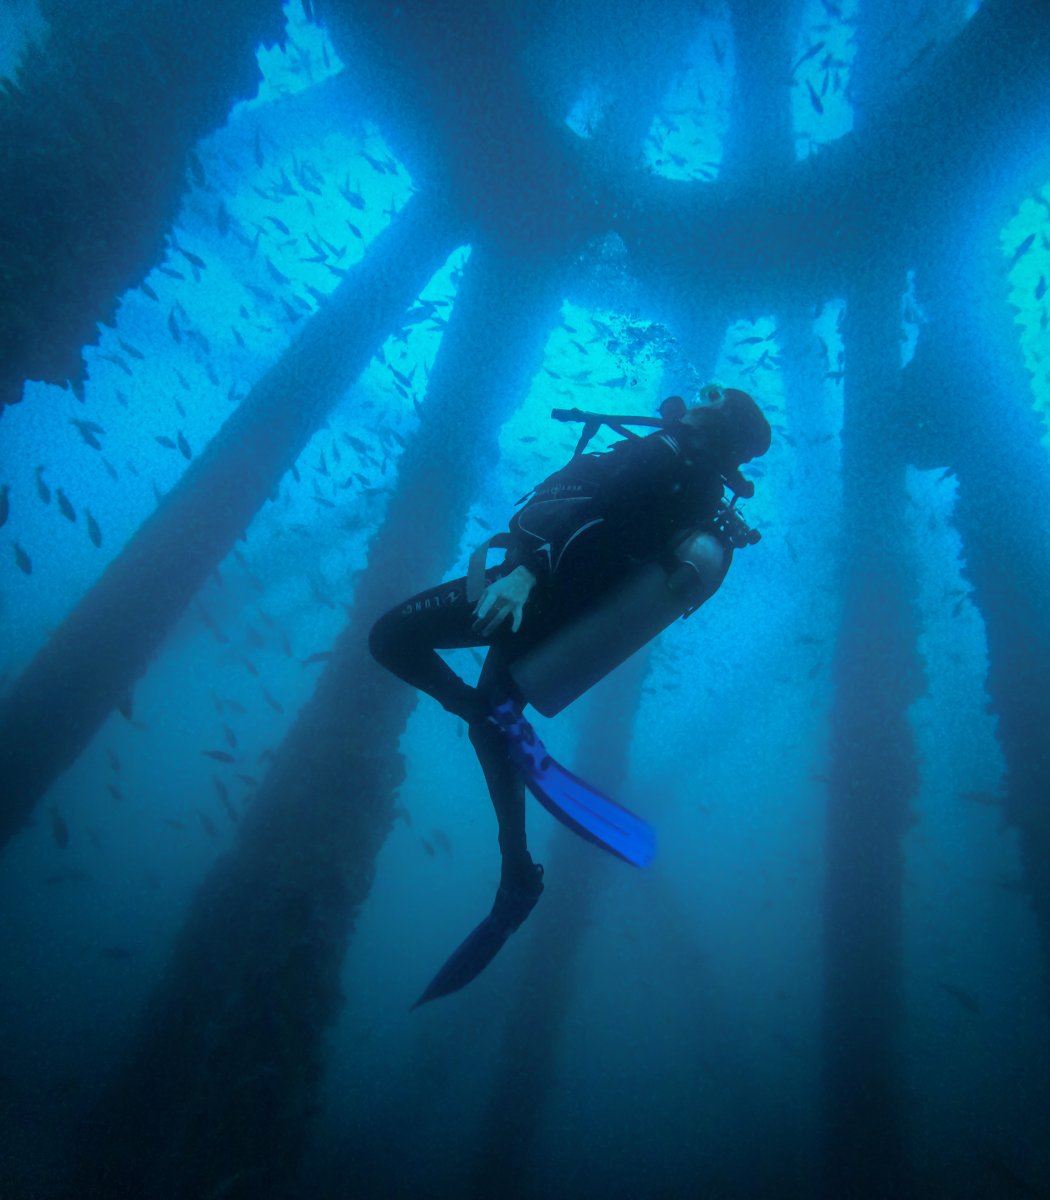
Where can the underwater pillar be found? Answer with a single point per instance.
(89, 664)
(221, 1083)
(528, 1059)
(872, 774)
(970, 378)
(94, 138)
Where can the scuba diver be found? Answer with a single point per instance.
(604, 554)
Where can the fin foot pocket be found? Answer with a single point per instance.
(591, 814)
(509, 910)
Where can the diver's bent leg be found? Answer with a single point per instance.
(405, 640)
(507, 790)
(506, 786)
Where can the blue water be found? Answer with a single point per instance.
(688, 1059)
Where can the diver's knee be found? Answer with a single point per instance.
(380, 640)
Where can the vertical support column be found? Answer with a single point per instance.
(107, 641)
(217, 1095)
(873, 775)
(528, 1059)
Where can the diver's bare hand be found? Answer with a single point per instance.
(501, 599)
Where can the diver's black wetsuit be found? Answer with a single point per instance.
(581, 530)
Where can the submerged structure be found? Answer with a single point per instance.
(389, 250)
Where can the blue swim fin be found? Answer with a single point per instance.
(486, 940)
(585, 810)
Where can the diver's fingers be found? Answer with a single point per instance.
(494, 622)
(516, 623)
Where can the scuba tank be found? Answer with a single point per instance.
(556, 671)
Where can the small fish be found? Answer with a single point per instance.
(184, 446)
(1023, 248)
(88, 430)
(278, 224)
(173, 326)
(117, 953)
(23, 561)
(814, 99)
(987, 798)
(236, 706)
(808, 54)
(92, 527)
(231, 812)
(66, 875)
(59, 829)
(207, 824)
(193, 259)
(967, 999)
(5, 506)
(145, 287)
(277, 276)
(166, 442)
(175, 824)
(211, 624)
(320, 656)
(440, 838)
(427, 846)
(223, 756)
(231, 737)
(114, 791)
(42, 490)
(133, 351)
(65, 507)
(273, 703)
(260, 293)
(118, 361)
(222, 220)
(402, 813)
(250, 780)
(124, 705)
(173, 274)
(1040, 288)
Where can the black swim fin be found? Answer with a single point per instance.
(481, 946)
(583, 808)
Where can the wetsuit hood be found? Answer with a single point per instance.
(751, 434)
(732, 425)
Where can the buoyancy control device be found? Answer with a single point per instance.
(558, 670)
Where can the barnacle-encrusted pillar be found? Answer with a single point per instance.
(873, 773)
(94, 138)
(970, 382)
(528, 1059)
(221, 1083)
(91, 661)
